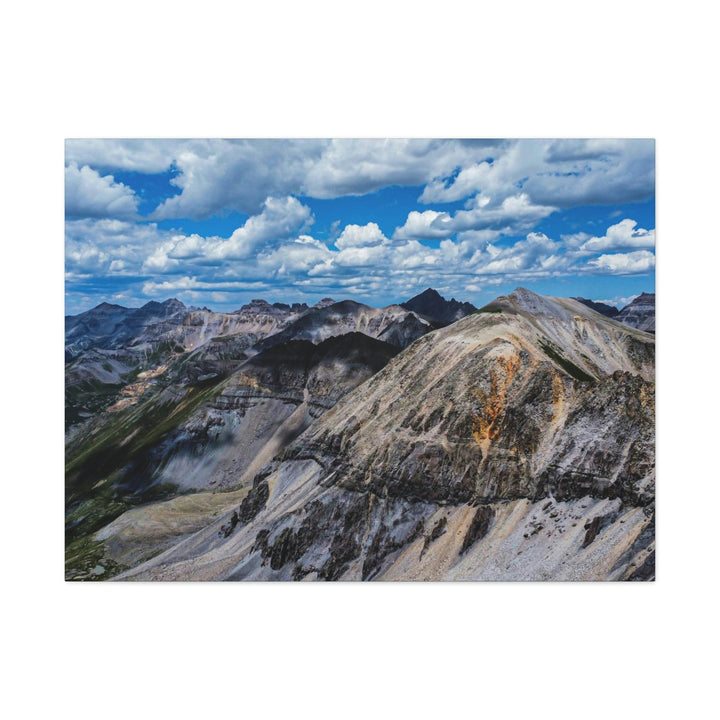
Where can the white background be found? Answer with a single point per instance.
(377, 69)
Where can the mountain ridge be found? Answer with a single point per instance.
(345, 442)
(479, 435)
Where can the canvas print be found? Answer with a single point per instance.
(360, 359)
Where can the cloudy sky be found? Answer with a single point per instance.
(218, 222)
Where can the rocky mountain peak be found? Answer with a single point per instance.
(295, 307)
(163, 309)
(528, 301)
(174, 304)
(108, 306)
(432, 306)
(325, 302)
(257, 303)
(429, 294)
(259, 307)
(640, 313)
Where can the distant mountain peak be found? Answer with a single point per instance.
(430, 293)
(534, 303)
(107, 306)
(640, 313)
(325, 302)
(602, 308)
(432, 306)
(174, 303)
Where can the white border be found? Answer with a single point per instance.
(314, 70)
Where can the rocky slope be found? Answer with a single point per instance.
(515, 444)
(219, 438)
(200, 421)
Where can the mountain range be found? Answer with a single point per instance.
(423, 441)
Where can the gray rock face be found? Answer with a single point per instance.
(109, 345)
(515, 444)
(640, 313)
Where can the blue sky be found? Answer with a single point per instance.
(218, 222)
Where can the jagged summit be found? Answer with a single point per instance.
(433, 307)
(295, 307)
(429, 294)
(256, 304)
(393, 324)
(174, 302)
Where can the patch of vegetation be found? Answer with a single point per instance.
(85, 560)
(111, 472)
(490, 308)
(570, 368)
(88, 515)
(85, 518)
(87, 398)
(128, 435)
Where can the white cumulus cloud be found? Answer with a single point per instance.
(625, 235)
(632, 263)
(89, 194)
(513, 215)
(355, 236)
